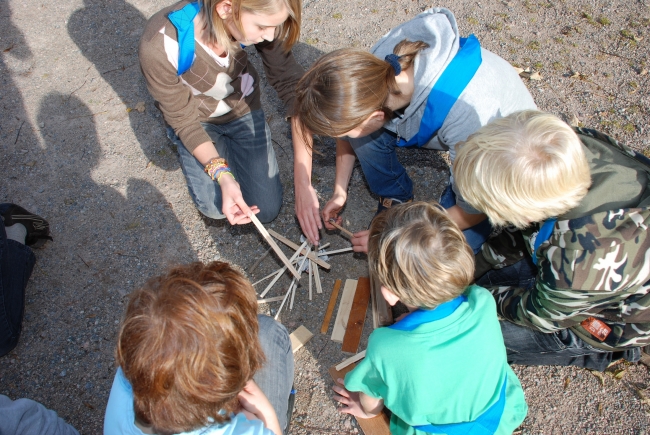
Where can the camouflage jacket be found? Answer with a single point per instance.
(596, 263)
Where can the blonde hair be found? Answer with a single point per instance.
(344, 87)
(288, 32)
(523, 168)
(417, 252)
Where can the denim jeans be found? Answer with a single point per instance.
(16, 265)
(384, 173)
(246, 144)
(476, 235)
(529, 346)
(275, 378)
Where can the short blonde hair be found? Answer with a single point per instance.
(288, 32)
(188, 344)
(417, 252)
(522, 169)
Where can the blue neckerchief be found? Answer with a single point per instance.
(543, 235)
(183, 20)
(486, 424)
(451, 83)
(420, 316)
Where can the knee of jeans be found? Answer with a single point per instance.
(271, 208)
(209, 210)
(273, 331)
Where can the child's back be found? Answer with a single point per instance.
(441, 366)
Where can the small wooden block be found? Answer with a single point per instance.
(330, 307)
(379, 425)
(341, 321)
(300, 337)
(357, 317)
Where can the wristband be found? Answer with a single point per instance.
(222, 173)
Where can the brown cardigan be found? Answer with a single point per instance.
(208, 92)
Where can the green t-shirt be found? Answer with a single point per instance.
(446, 371)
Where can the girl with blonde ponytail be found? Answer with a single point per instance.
(421, 85)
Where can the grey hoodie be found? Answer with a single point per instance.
(495, 90)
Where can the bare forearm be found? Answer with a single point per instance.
(463, 219)
(205, 152)
(302, 155)
(345, 159)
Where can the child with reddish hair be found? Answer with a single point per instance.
(193, 358)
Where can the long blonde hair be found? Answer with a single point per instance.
(288, 32)
(522, 169)
(344, 87)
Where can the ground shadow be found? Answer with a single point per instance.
(108, 32)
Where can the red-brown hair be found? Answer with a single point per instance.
(188, 345)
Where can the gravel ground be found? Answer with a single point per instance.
(76, 150)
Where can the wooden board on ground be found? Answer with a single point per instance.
(379, 425)
(382, 314)
(357, 317)
(300, 337)
(330, 307)
(341, 321)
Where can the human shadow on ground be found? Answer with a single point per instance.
(16, 131)
(108, 241)
(108, 32)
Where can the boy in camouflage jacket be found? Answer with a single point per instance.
(572, 277)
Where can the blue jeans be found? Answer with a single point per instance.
(246, 144)
(16, 265)
(275, 378)
(529, 346)
(476, 235)
(384, 173)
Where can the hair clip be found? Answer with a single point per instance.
(393, 60)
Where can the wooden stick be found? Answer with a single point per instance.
(337, 251)
(311, 278)
(280, 272)
(343, 364)
(275, 272)
(274, 245)
(259, 260)
(267, 300)
(341, 320)
(330, 307)
(340, 228)
(319, 287)
(282, 304)
(292, 245)
(295, 284)
(357, 318)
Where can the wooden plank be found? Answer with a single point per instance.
(311, 277)
(330, 307)
(379, 425)
(341, 321)
(357, 317)
(292, 245)
(300, 337)
(274, 245)
(382, 314)
(353, 359)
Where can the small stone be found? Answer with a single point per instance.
(63, 373)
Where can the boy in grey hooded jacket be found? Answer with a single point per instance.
(411, 103)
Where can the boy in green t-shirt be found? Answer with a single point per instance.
(441, 368)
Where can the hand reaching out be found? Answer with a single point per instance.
(232, 202)
(352, 402)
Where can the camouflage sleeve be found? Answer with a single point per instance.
(501, 250)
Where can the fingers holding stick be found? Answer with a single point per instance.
(340, 228)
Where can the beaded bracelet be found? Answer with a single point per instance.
(216, 167)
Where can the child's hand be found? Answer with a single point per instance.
(360, 241)
(352, 402)
(254, 402)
